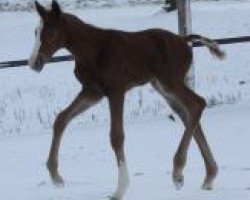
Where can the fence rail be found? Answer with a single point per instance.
(19, 63)
(228, 41)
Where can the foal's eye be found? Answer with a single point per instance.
(36, 32)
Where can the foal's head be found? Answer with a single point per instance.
(49, 35)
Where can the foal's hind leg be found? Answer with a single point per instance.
(189, 107)
(82, 102)
(211, 166)
(116, 103)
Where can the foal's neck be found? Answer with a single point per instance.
(82, 39)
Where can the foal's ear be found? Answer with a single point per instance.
(56, 8)
(40, 9)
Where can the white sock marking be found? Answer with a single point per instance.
(123, 180)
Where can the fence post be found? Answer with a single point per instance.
(185, 28)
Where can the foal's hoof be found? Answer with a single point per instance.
(207, 186)
(208, 182)
(58, 181)
(178, 181)
(114, 198)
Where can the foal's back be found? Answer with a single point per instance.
(128, 59)
(158, 51)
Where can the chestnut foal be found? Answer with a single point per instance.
(108, 63)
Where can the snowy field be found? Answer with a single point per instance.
(29, 103)
(88, 165)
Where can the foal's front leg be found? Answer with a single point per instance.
(82, 102)
(116, 103)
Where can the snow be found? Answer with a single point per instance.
(27, 5)
(29, 103)
(88, 164)
(52, 90)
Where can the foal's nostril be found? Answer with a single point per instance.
(37, 64)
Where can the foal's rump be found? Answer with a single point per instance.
(171, 52)
(168, 53)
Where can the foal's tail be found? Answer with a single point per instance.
(210, 44)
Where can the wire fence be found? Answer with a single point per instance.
(20, 63)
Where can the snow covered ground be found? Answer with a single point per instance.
(88, 166)
(29, 103)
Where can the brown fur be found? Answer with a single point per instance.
(109, 63)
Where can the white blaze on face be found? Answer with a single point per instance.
(37, 45)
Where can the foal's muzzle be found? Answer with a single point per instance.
(37, 63)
